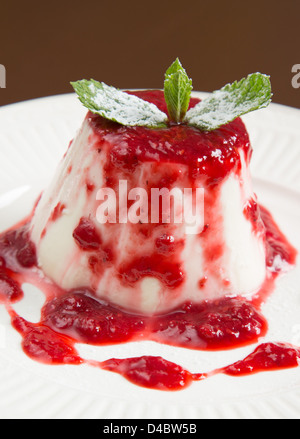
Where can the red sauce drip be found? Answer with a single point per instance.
(10, 289)
(87, 238)
(151, 372)
(57, 211)
(218, 324)
(158, 373)
(207, 154)
(78, 316)
(202, 282)
(90, 186)
(168, 272)
(168, 245)
(43, 344)
(252, 211)
(266, 357)
(17, 249)
(86, 235)
(279, 250)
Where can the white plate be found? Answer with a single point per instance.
(33, 137)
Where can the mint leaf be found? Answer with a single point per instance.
(118, 106)
(232, 101)
(177, 91)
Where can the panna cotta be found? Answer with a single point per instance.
(150, 230)
(141, 265)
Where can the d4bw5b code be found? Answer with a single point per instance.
(172, 428)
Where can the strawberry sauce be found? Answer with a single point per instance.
(211, 155)
(78, 316)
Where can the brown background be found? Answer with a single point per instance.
(45, 45)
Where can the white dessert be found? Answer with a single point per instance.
(226, 259)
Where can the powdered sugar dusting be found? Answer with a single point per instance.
(125, 109)
(232, 101)
(216, 111)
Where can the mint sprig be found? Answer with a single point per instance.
(232, 101)
(221, 107)
(118, 106)
(177, 91)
